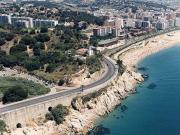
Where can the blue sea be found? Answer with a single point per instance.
(155, 108)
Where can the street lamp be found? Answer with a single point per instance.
(82, 88)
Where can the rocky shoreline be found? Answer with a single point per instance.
(85, 110)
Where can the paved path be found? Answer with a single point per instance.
(112, 70)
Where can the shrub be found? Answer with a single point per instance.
(18, 48)
(44, 29)
(42, 38)
(50, 68)
(37, 51)
(2, 53)
(15, 93)
(61, 82)
(93, 64)
(8, 61)
(49, 116)
(2, 126)
(32, 31)
(32, 64)
(28, 40)
(2, 41)
(121, 67)
(9, 36)
(58, 114)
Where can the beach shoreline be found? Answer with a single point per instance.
(83, 119)
(134, 55)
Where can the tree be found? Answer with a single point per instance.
(121, 66)
(2, 126)
(61, 82)
(37, 51)
(8, 61)
(14, 93)
(28, 40)
(44, 29)
(2, 53)
(32, 32)
(18, 49)
(50, 68)
(9, 36)
(93, 64)
(2, 41)
(32, 64)
(42, 38)
(94, 41)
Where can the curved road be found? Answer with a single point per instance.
(112, 70)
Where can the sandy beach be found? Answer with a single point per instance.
(82, 119)
(133, 56)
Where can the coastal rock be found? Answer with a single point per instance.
(83, 117)
(86, 109)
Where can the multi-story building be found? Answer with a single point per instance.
(26, 22)
(119, 23)
(110, 22)
(161, 25)
(146, 24)
(10, 1)
(5, 19)
(47, 23)
(22, 21)
(177, 22)
(129, 23)
(102, 31)
(172, 23)
(138, 24)
(116, 32)
(115, 22)
(147, 18)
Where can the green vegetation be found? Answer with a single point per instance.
(2, 126)
(51, 55)
(88, 97)
(61, 82)
(14, 94)
(13, 89)
(93, 64)
(93, 95)
(121, 67)
(5, 36)
(80, 16)
(57, 114)
(42, 38)
(44, 30)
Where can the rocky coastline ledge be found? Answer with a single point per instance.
(85, 110)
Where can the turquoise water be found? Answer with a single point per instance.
(155, 109)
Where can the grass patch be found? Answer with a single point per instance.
(58, 74)
(33, 89)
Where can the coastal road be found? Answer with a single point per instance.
(111, 71)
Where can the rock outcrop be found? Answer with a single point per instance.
(86, 109)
